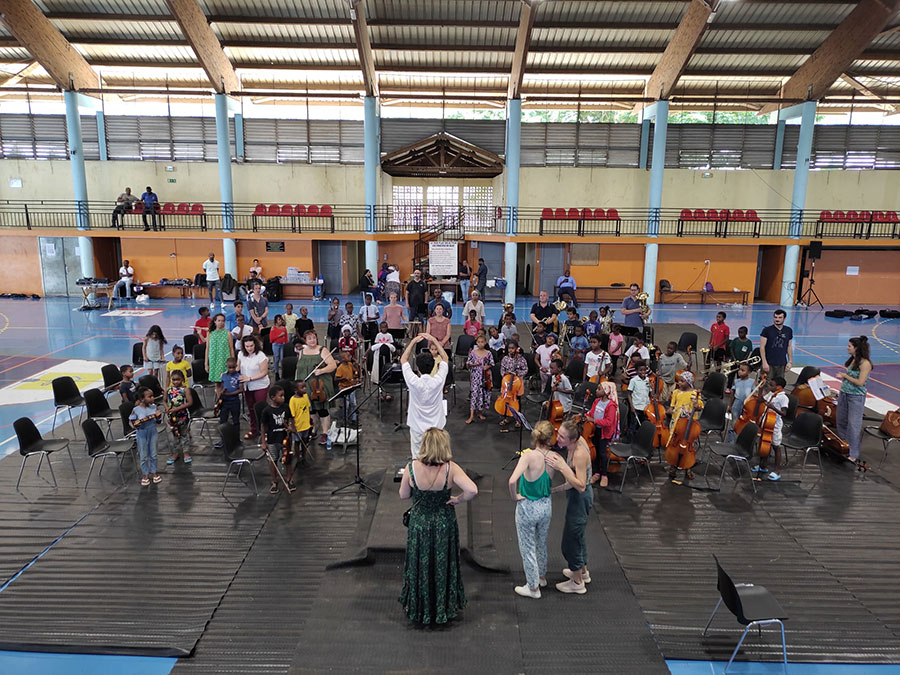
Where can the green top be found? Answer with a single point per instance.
(853, 389)
(306, 363)
(217, 344)
(535, 489)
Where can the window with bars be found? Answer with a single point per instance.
(408, 201)
(442, 203)
(481, 197)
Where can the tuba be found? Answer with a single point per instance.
(645, 308)
(560, 305)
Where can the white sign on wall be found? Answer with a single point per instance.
(442, 259)
(852, 270)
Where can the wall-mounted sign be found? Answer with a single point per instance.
(274, 247)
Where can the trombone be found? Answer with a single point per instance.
(732, 366)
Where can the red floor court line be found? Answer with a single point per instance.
(841, 365)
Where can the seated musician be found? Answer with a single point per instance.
(597, 363)
(560, 387)
(578, 344)
(605, 416)
(512, 364)
(778, 401)
(743, 387)
(684, 398)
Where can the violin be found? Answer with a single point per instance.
(511, 388)
(680, 451)
(317, 389)
(286, 452)
(173, 425)
(217, 408)
(139, 423)
(488, 378)
(656, 413)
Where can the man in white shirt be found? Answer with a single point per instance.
(126, 279)
(426, 391)
(124, 204)
(211, 268)
(639, 347)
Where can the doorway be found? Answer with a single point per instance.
(492, 252)
(331, 266)
(60, 266)
(553, 261)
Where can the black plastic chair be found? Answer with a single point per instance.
(714, 386)
(234, 454)
(753, 607)
(464, 344)
(201, 414)
(137, 354)
(638, 452)
(712, 420)
(112, 377)
(100, 448)
(190, 341)
(200, 377)
(806, 435)
(739, 452)
(152, 383)
(583, 397)
(65, 397)
(689, 340)
(575, 371)
(98, 409)
(885, 439)
(288, 368)
(32, 443)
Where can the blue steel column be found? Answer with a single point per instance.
(79, 181)
(239, 136)
(513, 151)
(645, 143)
(226, 191)
(101, 135)
(651, 251)
(370, 178)
(779, 143)
(798, 201)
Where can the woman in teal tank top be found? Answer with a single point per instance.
(529, 485)
(852, 399)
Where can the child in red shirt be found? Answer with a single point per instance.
(201, 325)
(278, 338)
(719, 333)
(348, 343)
(473, 325)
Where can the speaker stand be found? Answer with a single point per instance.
(809, 297)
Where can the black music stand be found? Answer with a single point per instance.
(340, 396)
(357, 479)
(394, 375)
(523, 424)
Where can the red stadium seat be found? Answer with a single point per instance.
(546, 214)
(560, 214)
(865, 216)
(301, 210)
(599, 214)
(326, 211)
(197, 209)
(712, 214)
(699, 214)
(260, 210)
(587, 214)
(837, 216)
(890, 216)
(751, 216)
(737, 215)
(852, 217)
(312, 210)
(574, 214)
(287, 210)
(878, 216)
(274, 210)
(183, 208)
(139, 207)
(686, 214)
(168, 208)
(825, 216)
(612, 214)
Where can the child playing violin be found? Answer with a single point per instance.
(513, 364)
(685, 399)
(778, 401)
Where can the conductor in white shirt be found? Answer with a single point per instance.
(426, 391)
(126, 279)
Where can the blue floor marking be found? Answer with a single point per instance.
(678, 667)
(39, 663)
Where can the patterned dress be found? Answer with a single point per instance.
(479, 397)
(432, 583)
(217, 344)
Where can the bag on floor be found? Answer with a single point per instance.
(142, 299)
(336, 435)
(891, 423)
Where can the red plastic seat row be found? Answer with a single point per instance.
(580, 214)
(714, 215)
(290, 210)
(858, 216)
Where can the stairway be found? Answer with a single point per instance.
(448, 228)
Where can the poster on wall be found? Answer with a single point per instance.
(442, 258)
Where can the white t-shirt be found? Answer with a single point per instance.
(546, 354)
(211, 267)
(479, 310)
(239, 335)
(780, 401)
(369, 313)
(250, 366)
(640, 392)
(426, 398)
(126, 272)
(393, 276)
(497, 343)
(564, 399)
(643, 351)
(596, 362)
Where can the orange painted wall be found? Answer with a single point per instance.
(21, 268)
(151, 259)
(619, 263)
(399, 253)
(730, 266)
(296, 254)
(877, 284)
(771, 273)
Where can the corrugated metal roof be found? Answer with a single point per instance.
(744, 62)
(75, 30)
(281, 32)
(781, 13)
(457, 10)
(426, 82)
(615, 63)
(443, 35)
(136, 52)
(155, 7)
(764, 39)
(292, 57)
(465, 60)
(316, 9)
(600, 37)
(599, 11)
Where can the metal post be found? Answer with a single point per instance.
(651, 251)
(101, 135)
(513, 162)
(239, 136)
(79, 181)
(370, 177)
(645, 143)
(798, 201)
(226, 191)
(779, 143)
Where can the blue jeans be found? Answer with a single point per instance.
(147, 436)
(214, 288)
(464, 285)
(850, 410)
(277, 354)
(231, 405)
(349, 405)
(736, 409)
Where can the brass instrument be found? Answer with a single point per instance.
(645, 308)
(560, 305)
(732, 366)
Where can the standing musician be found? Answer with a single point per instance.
(776, 400)
(605, 415)
(743, 387)
(597, 363)
(719, 333)
(633, 312)
(543, 312)
(275, 426)
(316, 365)
(512, 364)
(684, 399)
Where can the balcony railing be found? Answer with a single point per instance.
(358, 219)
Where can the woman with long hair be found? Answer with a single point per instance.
(254, 367)
(316, 362)
(852, 399)
(432, 580)
(219, 348)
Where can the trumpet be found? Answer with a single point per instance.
(645, 308)
(732, 366)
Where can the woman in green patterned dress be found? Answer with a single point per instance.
(219, 348)
(432, 583)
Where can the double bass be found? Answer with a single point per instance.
(656, 413)
(685, 431)
(511, 388)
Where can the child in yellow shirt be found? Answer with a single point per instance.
(178, 363)
(299, 407)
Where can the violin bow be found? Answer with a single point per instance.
(331, 353)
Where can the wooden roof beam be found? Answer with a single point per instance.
(863, 89)
(520, 55)
(835, 55)
(364, 46)
(47, 45)
(680, 49)
(205, 44)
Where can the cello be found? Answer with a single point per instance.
(656, 413)
(680, 451)
(754, 404)
(766, 421)
(511, 388)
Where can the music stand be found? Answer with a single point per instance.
(523, 424)
(357, 479)
(394, 375)
(341, 395)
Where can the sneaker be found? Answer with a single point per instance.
(145, 481)
(571, 587)
(586, 577)
(542, 583)
(526, 592)
(604, 481)
(774, 476)
(212, 305)
(759, 469)
(222, 305)
(328, 444)
(157, 478)
(273, 489)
